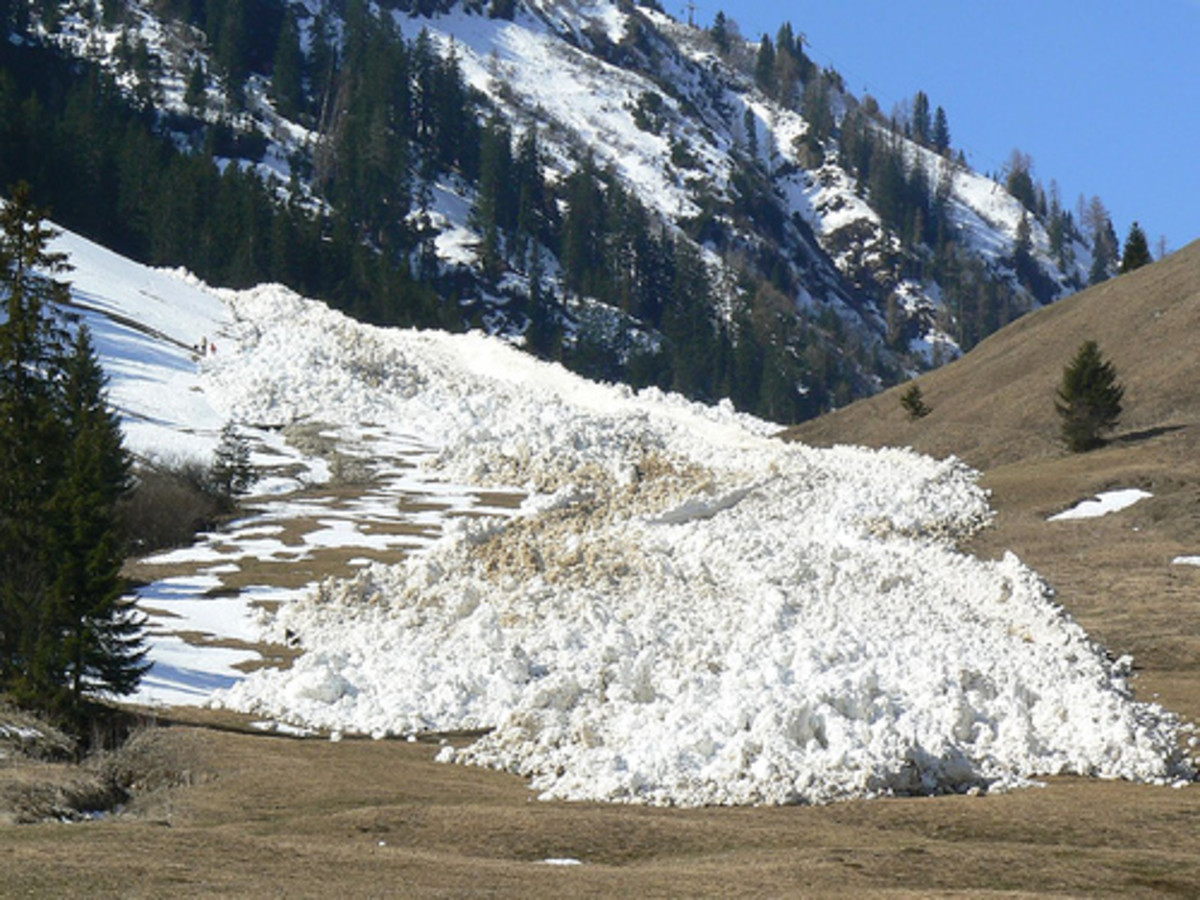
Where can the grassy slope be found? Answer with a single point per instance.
(996, 404)
(276, 817)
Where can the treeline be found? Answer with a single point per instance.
(106, 170)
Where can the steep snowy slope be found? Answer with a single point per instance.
(850, 284)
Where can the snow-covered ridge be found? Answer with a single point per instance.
(550, 67)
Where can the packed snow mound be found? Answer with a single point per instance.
(686, 610)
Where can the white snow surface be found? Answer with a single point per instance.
(1101, 505)
(684, 611)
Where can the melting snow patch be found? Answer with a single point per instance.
(283, 728)
(1186, 561)
(1102, 505)
(561, 861)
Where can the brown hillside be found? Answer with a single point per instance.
(996, 404)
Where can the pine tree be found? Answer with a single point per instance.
(195, 95)
(922, 127)
(1137, 250)
(101, 647)
(720, 33)
(287, 72)
(64, 629)
(1089, 399)
(31, 346)
(231, 472)
(941, 131)
(764, 65)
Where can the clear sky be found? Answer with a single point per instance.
(1104, 95)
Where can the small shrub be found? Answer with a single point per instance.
(171, 501)
(913, 402)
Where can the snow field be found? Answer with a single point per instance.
(685, 611)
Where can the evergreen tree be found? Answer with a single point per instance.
(720, 33)
(913, 402)
(101, 632)
(494, 211)
(1089, 399)
(231, 473)
(1020, 179)
(941, 131)
(750, 126)
(922, 127)
(1104, 253)
(764, 65)
(65, 632)
(31, 347)
(194, 96)
(287, 73)
(1137, 250)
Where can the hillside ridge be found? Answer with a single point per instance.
(995, 405)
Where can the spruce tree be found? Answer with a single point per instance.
(913, 402)
(231, 472)
(31, 348)
(194, 97)
(101, 647)
(922, 126)
(287, 72)
(1089, 399)
(764, 65)
(1137, 250)
(941, 131)
(65, 631)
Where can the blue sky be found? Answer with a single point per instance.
(1103, 95)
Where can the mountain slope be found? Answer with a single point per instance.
(686, 215)
(682, 611)
(996, 405)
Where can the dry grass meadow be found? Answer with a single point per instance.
(229, 812)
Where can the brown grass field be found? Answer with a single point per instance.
(264, 816)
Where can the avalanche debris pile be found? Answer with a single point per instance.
(685, 611)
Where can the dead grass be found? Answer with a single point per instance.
(274, 816)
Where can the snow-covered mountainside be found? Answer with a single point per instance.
(683, 610)
(841, 249)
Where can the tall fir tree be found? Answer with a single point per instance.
(941, 131)
(102, 642)
(32, 344)
(65, 631)
(1089, 399)
(922, 126)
